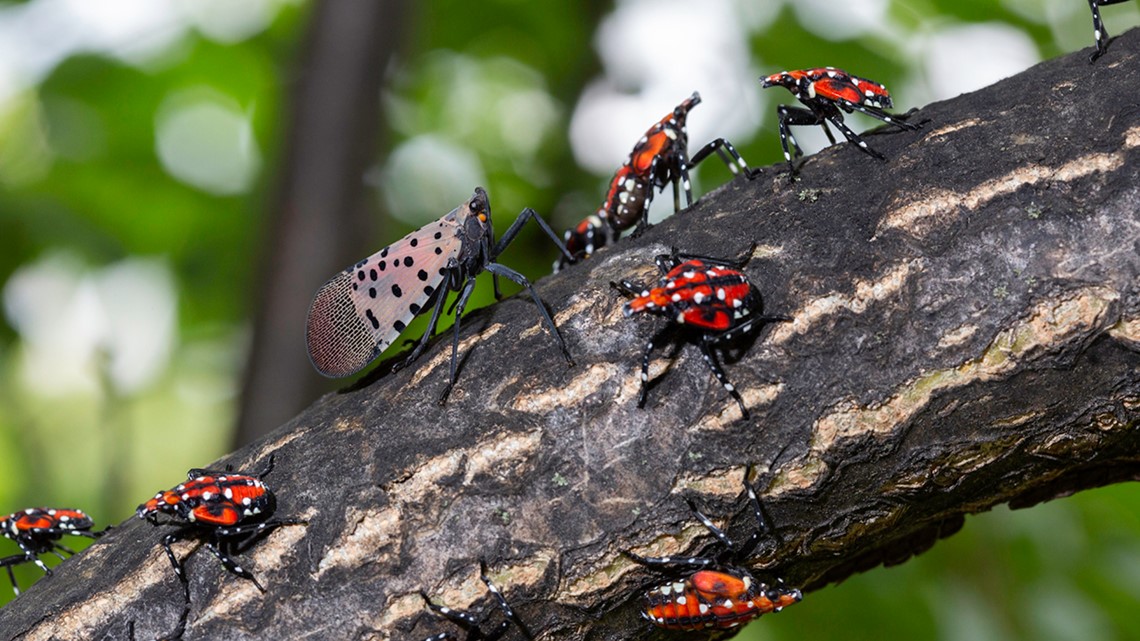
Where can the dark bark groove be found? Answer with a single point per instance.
(966, 334)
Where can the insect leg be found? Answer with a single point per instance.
(503, 270)
(230, 565)
(670, 561)
(718, 371)
(657, 338)
(878, 114)
(503, 605)
(727, 154)
(460, 304)
(854, 137)
(516, 227)
(762, 527)
(789, 116)
(677, 257)
(629, 288)
(8, 562)
(440, 301)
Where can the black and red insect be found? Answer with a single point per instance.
(358, 313)
(228, 509)
(710, 301)
(661, 157)
(473, 623)
(714, 592)
(827, 92)
(37, 531)
(1100, 36)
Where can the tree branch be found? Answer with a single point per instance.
(966, 334)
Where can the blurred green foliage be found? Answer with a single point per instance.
(483, 95)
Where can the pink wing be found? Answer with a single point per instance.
(360, 311)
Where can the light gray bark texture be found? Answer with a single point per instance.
(966, 333)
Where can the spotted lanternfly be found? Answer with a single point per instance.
(721, 593)
(37, 531)
(709, 297)
(228, 509)
(361, 311)
(828, 92)
(473, 624)
(1100, 36)
(661, 157)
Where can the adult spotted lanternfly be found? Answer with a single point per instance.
(361, 311)
(661, 157)
(709, 296)
(1099, 34)
(827, 92)
(37, 531)
(470, 622)
(229, 509)
(721, 593)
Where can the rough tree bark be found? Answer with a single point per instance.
(966, 334)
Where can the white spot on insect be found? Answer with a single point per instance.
(206, 496)
(747, 580)
(681, 600)
(629, 185)
(681, 319)
(667, 590)
(689, 274)
(185, 497)
(720, 294)
(676, 298)
(192, 516)
(644, 377)
(703, 608)
(698, 297)
(728, 603)
(679, 587)
(229, 493)
(811, 90)
(246, 501)
(736, 302)
(645, 292)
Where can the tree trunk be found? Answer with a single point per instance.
(966, 333)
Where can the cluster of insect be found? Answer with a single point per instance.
(359, 313)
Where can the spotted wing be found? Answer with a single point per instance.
(362, 310)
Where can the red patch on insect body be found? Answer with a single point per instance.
(714, 599)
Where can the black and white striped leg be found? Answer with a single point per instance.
(8, 563)
(666, 262)
(471, 623)
(878, 114)
(242, 535)
(507, 272)
(727, 154)
(745, 328)
(1100, 36)
(789, 116)
(460, 305)
(670, 561)
(232, 566)
(167, 541)
(649, 347)
(762, 528)
(629, 288)
(683, 166)
(855, 138)
(721, 377)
